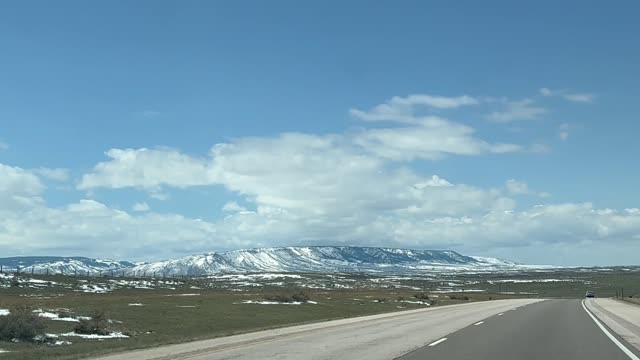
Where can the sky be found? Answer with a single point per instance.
(150, 130)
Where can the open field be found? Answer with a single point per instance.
(161, 311)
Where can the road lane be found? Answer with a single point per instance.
(381, 337)
(554, 329)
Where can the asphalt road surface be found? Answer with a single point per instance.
(496, 330)
(382, 337)
(553, 329)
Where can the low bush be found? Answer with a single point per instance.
(97, 325)
(296, 296)
(458, 297)
(422, 296)
(21, 324)
(64, 313)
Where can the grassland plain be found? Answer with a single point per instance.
(163, 311)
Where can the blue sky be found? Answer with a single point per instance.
(323, 117)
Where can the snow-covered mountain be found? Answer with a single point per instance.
(279, 259)
(321, 259)
(65, 265)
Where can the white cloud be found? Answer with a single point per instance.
(517, 110)
(53, 174)
(573, 97)
(146, 168)
(434, 181)
(402, 109)
(315, 196)
(581, 98)
(517, 187)
(19, 188)
(140, 207)
(351, 188)
(158, 195)
(433, 139)
(233, 206)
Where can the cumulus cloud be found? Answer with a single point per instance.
(403, 109)
(233, 206)
(517, 110)
(19, 188)
(56, 174)
(140, 207)
(316, 189)
(353, 188)
(433, 139)
(309, 197)
(92, 228)
(516, 187)
(146, 168)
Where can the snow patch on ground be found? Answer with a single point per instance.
(4, 312)
(415, 302)
(270, 302)
(113, 335)
(61, 342)
(56, 317)
(516, 281)
(183, 295)
(94, 289)
(136, 304)
(264, 276)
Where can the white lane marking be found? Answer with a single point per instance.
(613, 338)
(479, 323)
(500, 314)
(437, 342)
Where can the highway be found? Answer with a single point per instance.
(505, 329)
(553, 329)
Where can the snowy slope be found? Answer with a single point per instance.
(279, 259)
(320, 258)
(66, 265)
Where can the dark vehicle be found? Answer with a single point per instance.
(590, 294)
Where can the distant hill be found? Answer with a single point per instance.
(277, 259)
(323, 259)
(60, 264)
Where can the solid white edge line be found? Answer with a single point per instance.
(437, 342)
(624, 349)
(479, 323)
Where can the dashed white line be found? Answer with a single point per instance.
(500, 314)
(437, 342)
(479, 323)
(613, 338)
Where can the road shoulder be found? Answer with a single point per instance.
(622, 318)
